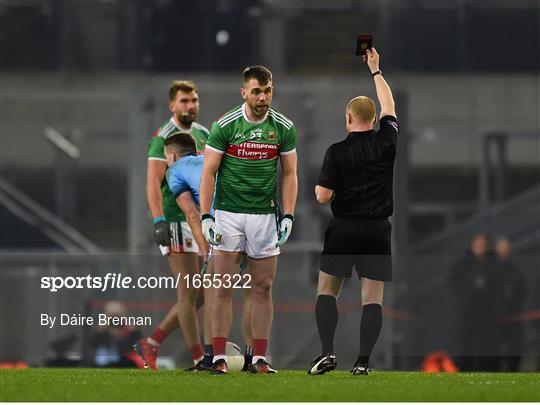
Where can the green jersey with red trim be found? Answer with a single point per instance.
(246, 179)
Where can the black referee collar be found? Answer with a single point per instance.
(361, 134)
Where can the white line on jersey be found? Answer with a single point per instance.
(288, 121)
(215, 149)
(230, 119)
(280, 120)
(228, 115)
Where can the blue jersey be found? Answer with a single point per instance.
(185, 175)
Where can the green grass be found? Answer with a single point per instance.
(179, 386)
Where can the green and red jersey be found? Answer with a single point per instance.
(246, 180)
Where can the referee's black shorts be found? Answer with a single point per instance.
(359, 242)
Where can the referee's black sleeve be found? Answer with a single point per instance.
(389, 126)
(329, 174)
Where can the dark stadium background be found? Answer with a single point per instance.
(466, 76)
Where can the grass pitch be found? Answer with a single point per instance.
(338, 386)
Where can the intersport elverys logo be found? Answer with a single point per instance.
(253, 151)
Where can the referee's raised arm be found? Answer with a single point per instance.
(384, 94)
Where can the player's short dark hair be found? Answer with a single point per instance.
(259, 72)
(182, 143)
(186, 86)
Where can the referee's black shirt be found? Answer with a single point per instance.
(360, 170)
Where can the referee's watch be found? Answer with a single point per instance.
(378, 72)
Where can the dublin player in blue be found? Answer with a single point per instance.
(183, 178)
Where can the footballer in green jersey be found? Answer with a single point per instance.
(247, 175)
(242, 152)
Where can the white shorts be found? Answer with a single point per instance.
(182, 240)
(254, 234)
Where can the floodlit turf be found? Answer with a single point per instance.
(178, 386)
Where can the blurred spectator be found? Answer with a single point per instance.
(111, 345)
(473, 281)
(512, 294)
(64, 353)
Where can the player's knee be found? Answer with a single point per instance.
(223, 294)
(262, 287)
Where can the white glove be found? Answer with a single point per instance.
(209, 230)
(285, 229)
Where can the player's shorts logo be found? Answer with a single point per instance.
(189, 242)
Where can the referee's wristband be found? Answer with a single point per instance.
(159, 219)
(206, 216)
(290, 216)
(378, 72)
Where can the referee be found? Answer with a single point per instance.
(357, 176)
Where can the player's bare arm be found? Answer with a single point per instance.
(186, 203)
(289, 184)
(384, 94)
(155, 172)
(212, 161)
(324, 195)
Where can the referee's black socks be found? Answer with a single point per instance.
(326, 313)
(370, 328)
